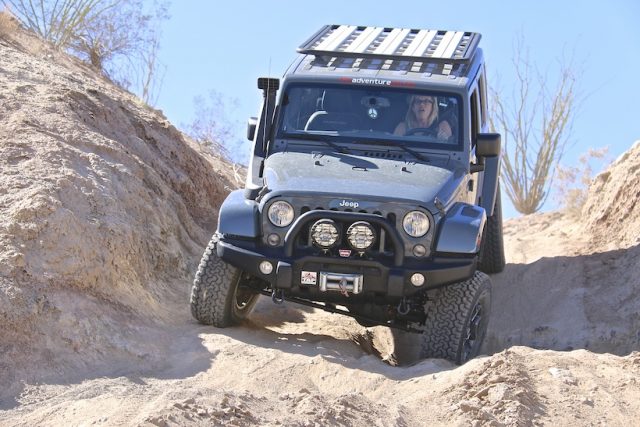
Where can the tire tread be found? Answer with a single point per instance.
(213, 290)
(447, 316)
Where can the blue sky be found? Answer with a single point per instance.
(225, 46)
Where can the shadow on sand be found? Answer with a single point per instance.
(562, 303)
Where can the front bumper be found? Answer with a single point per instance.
(380, 279)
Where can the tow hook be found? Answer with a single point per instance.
(403, 307)
(343, 288)
(277, 296)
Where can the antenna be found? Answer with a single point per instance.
(264, 128)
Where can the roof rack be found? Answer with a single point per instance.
(392, 43)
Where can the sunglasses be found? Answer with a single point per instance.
(422, 101)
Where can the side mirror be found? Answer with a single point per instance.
(488, 144)
(251, 127)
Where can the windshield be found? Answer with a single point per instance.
(347, 113)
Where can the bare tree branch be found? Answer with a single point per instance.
(531, 153)
(117, 37)
(212, 127)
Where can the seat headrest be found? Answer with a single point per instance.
(336, 101)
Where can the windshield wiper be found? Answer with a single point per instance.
(403, 147)
(321, 138)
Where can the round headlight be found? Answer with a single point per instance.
(416, 223)
(324, 233)
(361, 235)
(280, 214)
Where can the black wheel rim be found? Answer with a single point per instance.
(473, 333)
(243, 298)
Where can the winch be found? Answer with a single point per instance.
(345, 283)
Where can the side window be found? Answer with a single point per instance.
(475, 122)
(483, 100)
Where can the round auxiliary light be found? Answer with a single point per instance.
(324, 233)
(419, 251)
(416, 223)
(417, 279)
(273, 239)
(361, 235)
(266, 267)
(280, 214)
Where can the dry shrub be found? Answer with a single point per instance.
(572, 182)
(8, 24)
(535, 121)
(212, 127)
(11, 30)
(120, 38)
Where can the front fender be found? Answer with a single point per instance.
(461, 229)
(239, 216)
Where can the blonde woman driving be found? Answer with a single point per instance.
(422, 118)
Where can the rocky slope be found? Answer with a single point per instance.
(104, 211)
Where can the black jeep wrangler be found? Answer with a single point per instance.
(372, 191)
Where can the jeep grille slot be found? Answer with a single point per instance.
(387, 246)
(391, 217)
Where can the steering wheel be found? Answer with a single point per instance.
(426, 131)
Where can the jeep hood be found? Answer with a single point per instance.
(348, 175)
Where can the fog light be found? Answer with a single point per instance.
(417, 279)
(324, 233)
(273, 239)
(266, 267)
(361, 235)
(419, 251)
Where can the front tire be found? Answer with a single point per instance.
(457, 320)
(217, 296)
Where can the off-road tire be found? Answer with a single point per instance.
(492, 259)
(457, 319)
(216, 296)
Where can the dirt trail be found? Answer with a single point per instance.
(277, 370)
(105, 209)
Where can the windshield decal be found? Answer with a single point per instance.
(377, 82)
(397, 83)
(366, 81)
